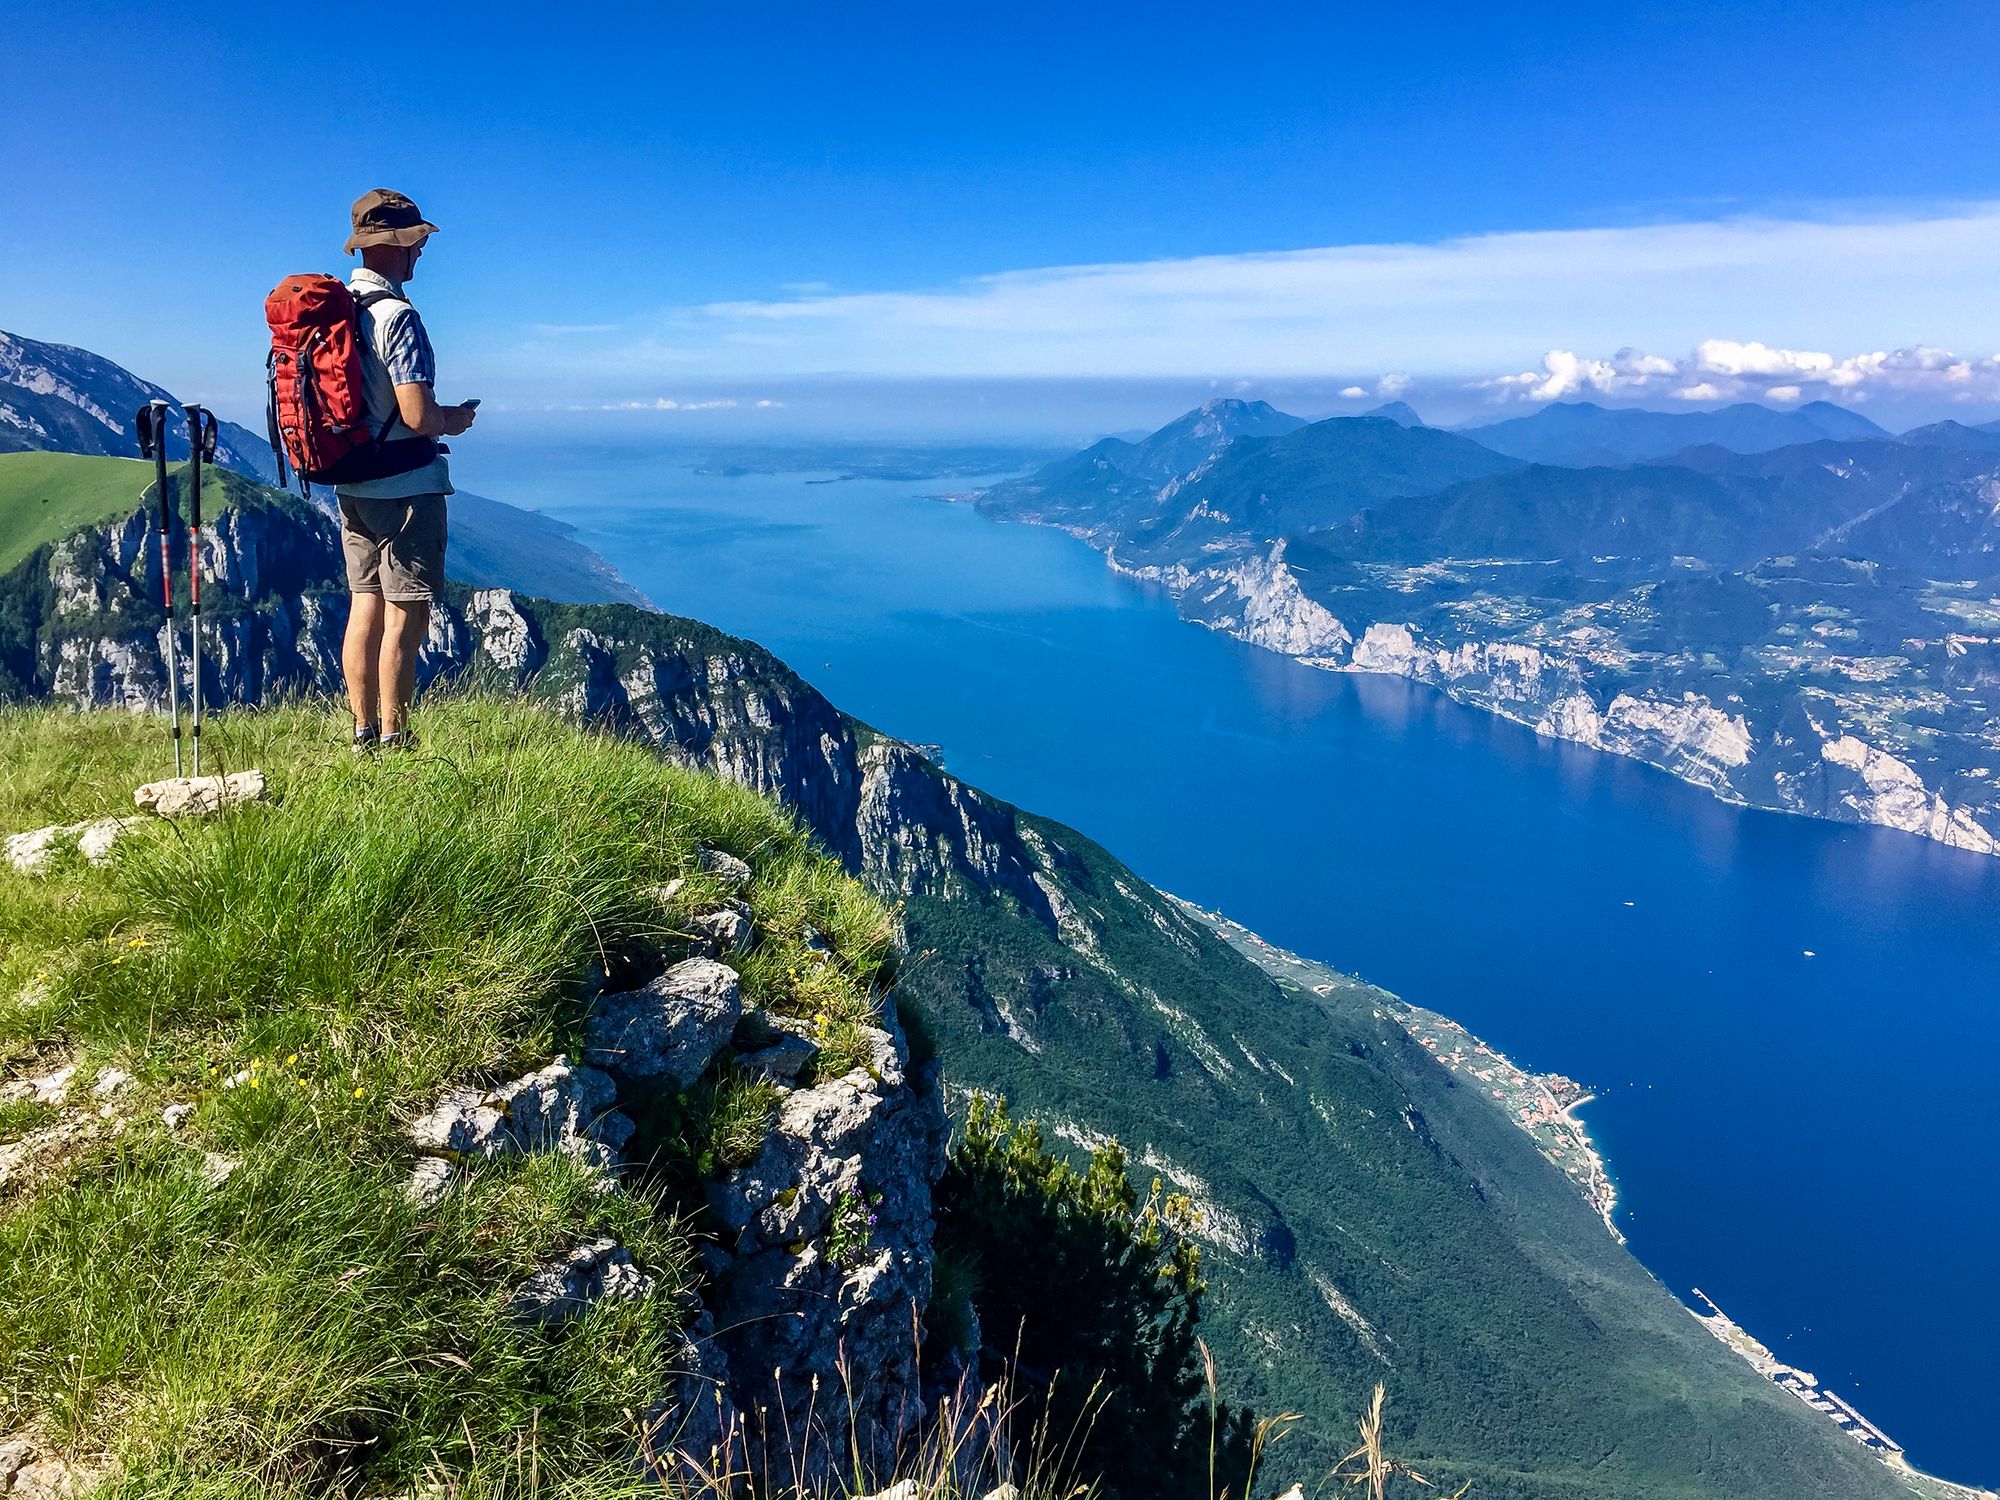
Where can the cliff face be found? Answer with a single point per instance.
(1349, 1236)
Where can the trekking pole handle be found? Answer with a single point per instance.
(151, 422)
(201, 449)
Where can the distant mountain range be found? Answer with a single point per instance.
(1793, 609)
(58, 399)
(1581, 432)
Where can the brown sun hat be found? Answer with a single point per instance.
(382, 217)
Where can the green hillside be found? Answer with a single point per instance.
(46, 496)
(238, 1297)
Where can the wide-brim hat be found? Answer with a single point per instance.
(382, 217)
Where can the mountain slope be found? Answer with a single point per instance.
(1365, 1218)
(1192, 440)
(1721, 507)
(1243, 492)
(55, 397)
(1582, 433)
(495, 545)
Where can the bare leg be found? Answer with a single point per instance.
(402, 639)
(360, 652)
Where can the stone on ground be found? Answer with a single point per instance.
(29, 853)
(194, 796)
(563, 1107)
(726, 867)
(670, 1029)
(596, 1269)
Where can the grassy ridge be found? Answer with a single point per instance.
(380, 930)
(46, 496)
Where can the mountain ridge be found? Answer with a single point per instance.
(1585, 434)
(57, 397)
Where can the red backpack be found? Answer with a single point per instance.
(318, 410)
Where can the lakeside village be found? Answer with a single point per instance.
(1544, 1105)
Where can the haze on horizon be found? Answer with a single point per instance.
(903, 222)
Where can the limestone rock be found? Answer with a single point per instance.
(30, 1471)
(669, 1029)
(429, 1180)
(30, 853)
(724, 932)
(563, 1107)
(194, 796)
(176, 1115)
(832, 1229)
(596, 1269)
(787, 1055)
(726, 867)
(695, 1436)
(51, 1087)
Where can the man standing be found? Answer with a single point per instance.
(392, 530)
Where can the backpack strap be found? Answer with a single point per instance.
(368, 299)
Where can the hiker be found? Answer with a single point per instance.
(393, 530)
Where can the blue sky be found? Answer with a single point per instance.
(659, 204)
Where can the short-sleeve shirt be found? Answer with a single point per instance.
(396, 350)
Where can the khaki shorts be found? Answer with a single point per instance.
(394, 548)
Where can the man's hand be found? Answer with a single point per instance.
(417, 404)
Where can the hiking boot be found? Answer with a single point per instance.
(367, 740)
(399, 739)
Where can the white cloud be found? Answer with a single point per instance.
(667, 403)
(1389, 387)
(1854, 280)
(1728, 370)
(1355, 393)
(1727, 357)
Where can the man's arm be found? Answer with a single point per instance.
(418, 407)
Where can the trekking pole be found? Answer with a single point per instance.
(152, 424)
(201, 446)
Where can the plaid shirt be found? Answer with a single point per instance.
(396, 350)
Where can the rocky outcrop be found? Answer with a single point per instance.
(828, 1267)
(1876, 787)
(803, 1348)
(670, 1030)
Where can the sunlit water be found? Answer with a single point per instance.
(1809, 1139)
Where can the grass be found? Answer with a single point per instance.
(378, 930)
(46, 496)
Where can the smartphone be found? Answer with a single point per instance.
(470, 405)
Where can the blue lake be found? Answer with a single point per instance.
(1810, 1140)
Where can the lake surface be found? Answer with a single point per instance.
(1812, 1140)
